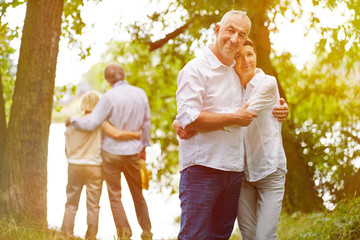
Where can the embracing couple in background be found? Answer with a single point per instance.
(122, 116)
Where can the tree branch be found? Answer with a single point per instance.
(159, 43)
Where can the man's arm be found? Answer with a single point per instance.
(98, 115)
(281, 112)
(117, 134)
(189, 99)
(208, 121)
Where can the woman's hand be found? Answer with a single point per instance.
(183, 134)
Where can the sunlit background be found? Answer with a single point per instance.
(105, 21)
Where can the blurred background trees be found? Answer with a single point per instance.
(321, 135)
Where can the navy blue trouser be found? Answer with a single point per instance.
(209, 202)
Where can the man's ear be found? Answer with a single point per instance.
(217, 29)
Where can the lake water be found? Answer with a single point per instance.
(163, 207)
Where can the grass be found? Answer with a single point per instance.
(341, 224)
(11, 229)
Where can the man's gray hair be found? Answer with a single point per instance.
(114, 72)
(234, 12)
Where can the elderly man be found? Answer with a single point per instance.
(126, 107)
(212, 161)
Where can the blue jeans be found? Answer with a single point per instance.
(209, 202)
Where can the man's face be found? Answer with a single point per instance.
(232, 35)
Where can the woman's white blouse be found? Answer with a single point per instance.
(263, 142)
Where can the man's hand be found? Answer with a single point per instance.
(244, 116)
(142, 154)
(183, 134)
(281, 112)
(67, 121)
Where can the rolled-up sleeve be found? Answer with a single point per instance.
(189, 95)
(265, 96)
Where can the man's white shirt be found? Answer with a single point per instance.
(205, 84)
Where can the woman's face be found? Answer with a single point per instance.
(245, 61)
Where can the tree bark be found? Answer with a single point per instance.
(24, 172)
(300, 190)
(351, 188)
(2, 123)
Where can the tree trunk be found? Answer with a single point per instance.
(351, 187)
(300, 190)
(2, 123)
(24, 172)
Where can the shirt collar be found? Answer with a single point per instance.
(214, 61)
(122, 82)
(257, 79)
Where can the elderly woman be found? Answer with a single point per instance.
(263, 190)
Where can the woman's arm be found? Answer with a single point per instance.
(117, 134)
(266, 96)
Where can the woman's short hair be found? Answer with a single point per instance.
(114, 72)
(250, 43)
(89, 101)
